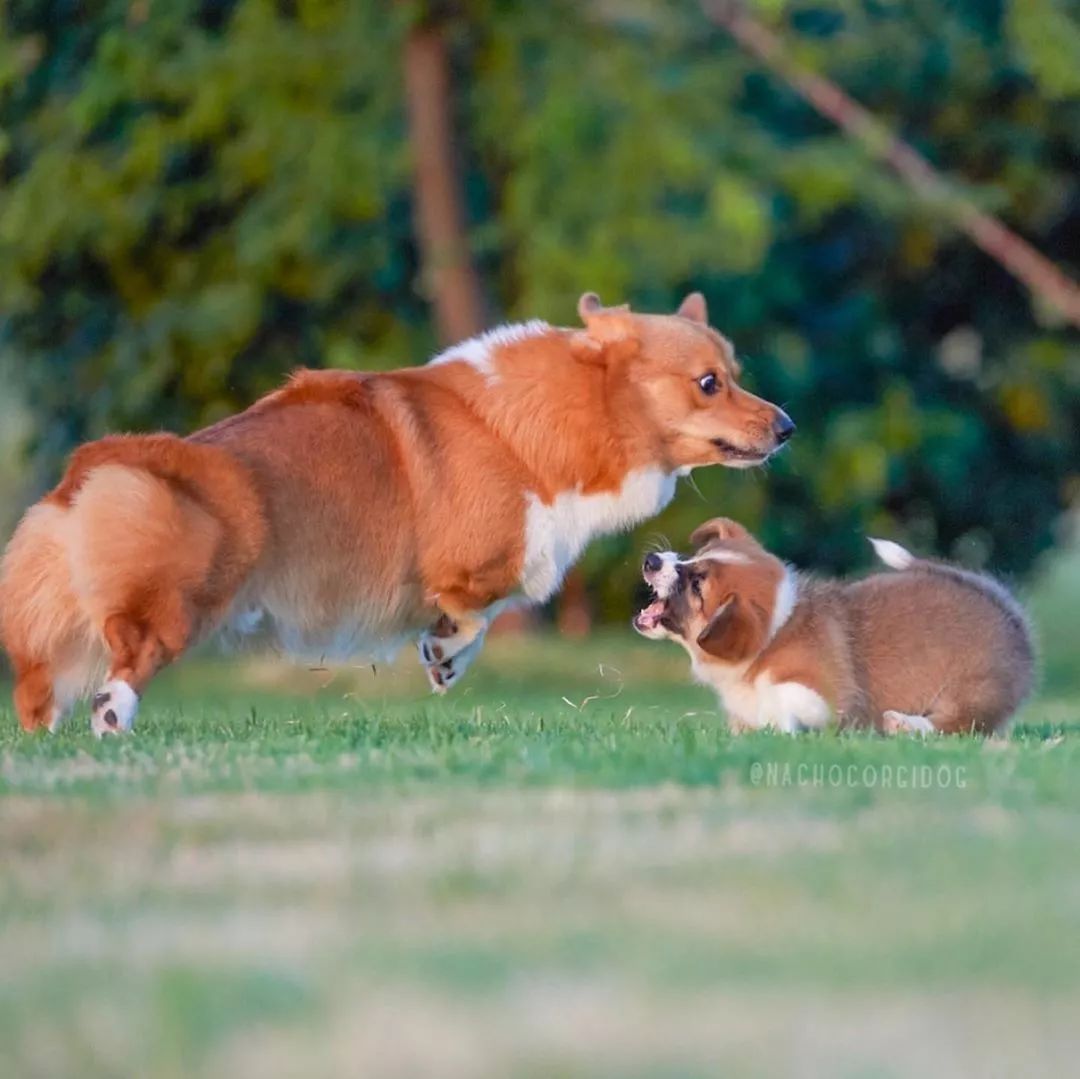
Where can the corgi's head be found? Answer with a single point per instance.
(725, 602)
(685, 379)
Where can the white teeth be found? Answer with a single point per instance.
(651, 615)
(648, 621)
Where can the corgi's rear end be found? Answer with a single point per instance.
(52, 646)
(142, 531)
(941, 648)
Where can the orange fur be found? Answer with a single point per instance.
(352, 510)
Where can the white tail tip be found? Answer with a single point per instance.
(892, 554)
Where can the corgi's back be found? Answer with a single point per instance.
(940, 642)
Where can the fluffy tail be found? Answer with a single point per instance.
(900, 558)
(892, 554)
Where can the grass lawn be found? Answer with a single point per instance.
(565, 868)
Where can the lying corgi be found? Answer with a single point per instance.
(348, 512)
(928, 648)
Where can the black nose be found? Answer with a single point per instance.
(782, 427)
(653, 563)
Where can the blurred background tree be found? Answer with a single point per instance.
(198, 195)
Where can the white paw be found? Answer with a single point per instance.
(115, 705)
(902, 723)
(443, 675)
(447, 639)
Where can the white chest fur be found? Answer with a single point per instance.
(785, 706)
(557, 532)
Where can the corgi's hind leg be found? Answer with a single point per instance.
(42, 624)
(148, 566)
(977, 705)
(903, 723)
(34, 702)
(138, 649)
(45, 690)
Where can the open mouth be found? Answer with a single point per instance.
(735, 453)
(650, 617)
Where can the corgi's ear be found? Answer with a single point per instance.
(736, 631)
(605, 323)
(719, 528)
(603, 351)
(609, 335)
(588, 305)
(694, 309)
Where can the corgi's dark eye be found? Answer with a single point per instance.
(709, 384)
(695, 585)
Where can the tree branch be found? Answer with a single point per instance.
(1010, 250)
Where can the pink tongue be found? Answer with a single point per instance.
(651, 615)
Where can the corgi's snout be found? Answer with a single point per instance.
(783, 427)
(661, 572)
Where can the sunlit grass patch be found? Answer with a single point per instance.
(559, 870)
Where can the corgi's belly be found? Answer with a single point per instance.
(556, 533)
(348, 637)
(307, 620)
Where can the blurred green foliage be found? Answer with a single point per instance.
(198, 195)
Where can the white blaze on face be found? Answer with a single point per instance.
(731, 558)
(787, 595)
(665, 579)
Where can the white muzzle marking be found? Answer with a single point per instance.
(664, 580)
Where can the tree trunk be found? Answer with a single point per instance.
(449, 279)
(574, 612)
